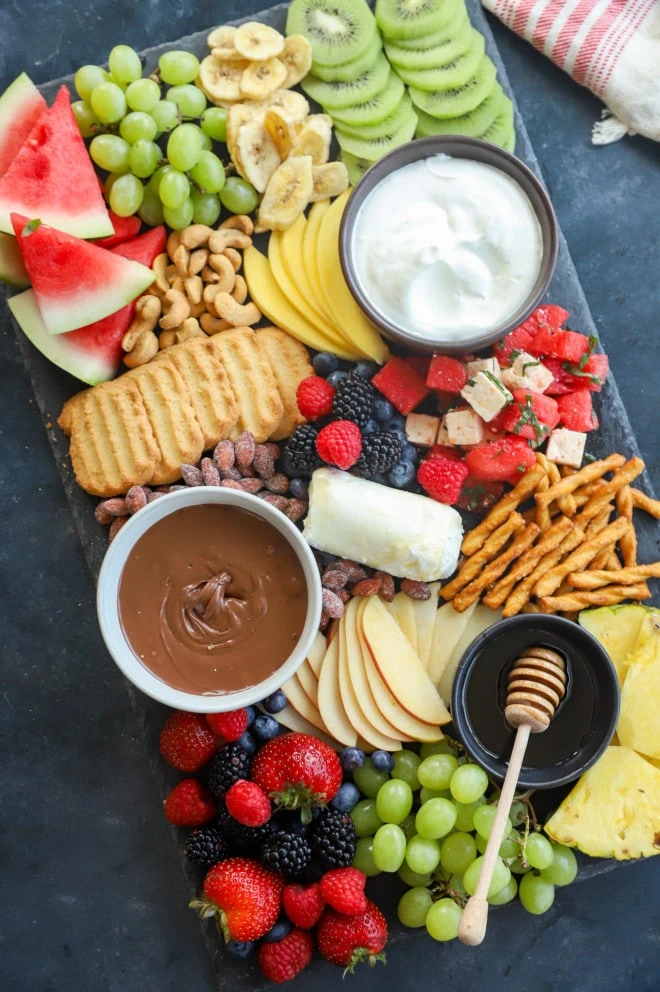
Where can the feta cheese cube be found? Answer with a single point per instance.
(527, 372)
(484, 365)
(443, 433)
(486, 394)
(464, 427)
(422, 429)
(566, 447)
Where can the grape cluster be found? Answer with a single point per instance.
(156, 147)
(429, 819)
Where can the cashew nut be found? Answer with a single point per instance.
(181, 258)
(197, 309)
(240, 222)
(239, 292)
(193, 286)
(177, 285)
(208, 275)
(189, 329)
(226, 238)
(160, 265)
(147, 312)
(195, 236)
(173, 242)
(234, 257)
(236, 314)
(171, 272)
(166, 340)
(145, 348)
(210, 293)
(179, 309)
(197, 262)
(225, 270)
(213, 325)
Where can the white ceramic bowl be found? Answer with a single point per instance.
(107, 600)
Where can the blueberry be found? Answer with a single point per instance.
(371, 427)
(241, 948)
(298, 488)
(276, 933)
(247, 742)
(382, 409)
(251, 714)
(335, 377)
(402, 436)
(265, 727)
(367, 369)
(397, 422)
(350, 758)
(382, 761)
(346, 797)
(324, 363)
(410, 453)
(401, 475)
(275, 702)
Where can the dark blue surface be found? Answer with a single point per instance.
(93, 897)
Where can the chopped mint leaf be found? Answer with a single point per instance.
(514, 354)
(498, 383)
(30, 227)
(529, 365)
(589, 458)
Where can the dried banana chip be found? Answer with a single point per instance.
(227, 55)
(294, 103)
(297, 58)
(314, 139)
(222, 37)
(256, 156)
(238, 115)
(221, 80)
(287, 194)
(258, 41)
(281, 129)
(261, 79)
(329, 180)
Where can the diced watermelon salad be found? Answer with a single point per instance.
(495, 411)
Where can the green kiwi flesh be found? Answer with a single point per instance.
(338, 30)
(336, 96)
(350, 70)
(451, 75)
(471, 125)
(356, 167)
(414, 18)
(510, 144)
(501, 129)
(455, 102)
(374, 148)
(431, 58)
(459, 19)
(401, 115)
(374, 110)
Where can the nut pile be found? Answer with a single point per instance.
(342, 579)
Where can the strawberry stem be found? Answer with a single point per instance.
(299, 797)
(363, 954)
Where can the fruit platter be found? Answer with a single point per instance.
(339, 484)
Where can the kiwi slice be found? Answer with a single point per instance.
(414, 18)
(336, 96)
(459, 100)
(452, 74)
(350, 70)
(471, 125)
(374, 110)
(374, 148)
(459, 19)
(501, 129)
(338, 30)
(356, 167)
(431, 58)
(402, 115)
(509, 145)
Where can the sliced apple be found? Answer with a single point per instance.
(292, 720)
(316, 653)
(447, 631)
(331, 707)
(301, 702)
(403, 611)
(352, 706)
(481, 618)
(308, 683)
(424, 611)
(399, 666)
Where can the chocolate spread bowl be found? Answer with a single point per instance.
(209, 599)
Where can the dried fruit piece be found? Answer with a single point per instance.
(281, 127)
(328, 180)
(314, 139)
(297, 58)
(222, 37)
(294, 103)
(261, 79)
(255, 155)
(258, 41)
(287, 194)
(221, 81)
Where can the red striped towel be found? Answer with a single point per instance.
(610, 46)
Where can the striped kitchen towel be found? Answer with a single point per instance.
(610, 46)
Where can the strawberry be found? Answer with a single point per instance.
(401, 384)
(303, 904)
(500, 461)
(189, 804)
(186, 742)
(347, 940)
(248, 804)
(229, 726)
(446, 374)
(343, 889)
(244, 897)
(442, 478)
(314, 396)
(297, 771)
(282, 961)
(339, 443)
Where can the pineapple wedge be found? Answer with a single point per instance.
(614, 810)
(639, 721)
(617, 629)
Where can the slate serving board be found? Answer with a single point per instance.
(52, 387)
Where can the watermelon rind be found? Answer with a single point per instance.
(21, 105)
(12, 267)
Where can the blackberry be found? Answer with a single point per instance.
(286, 853)
(301, 449)
(354, 397)
(206, 847)
(380, 453)
(239, 837)
(333, 838)
(227, 767)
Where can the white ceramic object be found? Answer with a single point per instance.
(107, 600)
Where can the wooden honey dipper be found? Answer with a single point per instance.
(536, 686)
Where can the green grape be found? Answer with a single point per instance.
(536, 894)
(207, 144)
(435, 818)
(468, 783)
(179, 217)
(367, 778)
(184, 147)
(143, 158)
(124, 64)
(137, 126)
(481, 844)
(500, 878)
(442, 919)
(214, 123)
(86, 119)
(126, 195)
(564, 866)
(209, 173)
(505, 894)
(178, 67)
(422, 854)
(457, 852)
(518, 866)
(406, 764)
(143, 94)
(465, 814)
(240, 198)
(110, 152)
(455, 883)
(437, 747)
(190, 100)
(517, 813)
(510, 848)
(174, 189)
(109, 183)
(108, 102)
(154, 182)
(413, 907)
(206, 207)
(435, 772)
(87, 78)
(165, 115)
(426, 794)
(365, 818)
(394, 801)
(364, 857)
(483, 819)
(408, 827)
(538, 851)
(151, 210)
(389, 847)
(413, 878)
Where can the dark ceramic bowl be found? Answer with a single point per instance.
(456, 147)
(584, 722)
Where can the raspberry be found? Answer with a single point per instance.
(343, 889)
(189, 804)
(230, 725)
(442, 478)
(315, 396)
(186, 741)
(340, 443)
(248, 804)
(282, 961)
(303, 904)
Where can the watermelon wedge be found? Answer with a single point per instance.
(125, 229)
(75, 283)
(91, 354)
(12, 266)
(52, 177)
(21, 105)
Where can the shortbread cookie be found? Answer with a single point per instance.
(253, 382)
(289, 360)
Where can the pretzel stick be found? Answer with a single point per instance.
(584, 494)
(624, 576)
(598, 523)
(602, 558)
(523, 591)
(565, 470)
(471, 568)
(528, 562)
(579, 559)
(496, 568)
(643, 502)
(587, 474)
(607, 596)
(626, 474)
(565, 503)
(499, 513)
(628, 543)
(613, 562)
